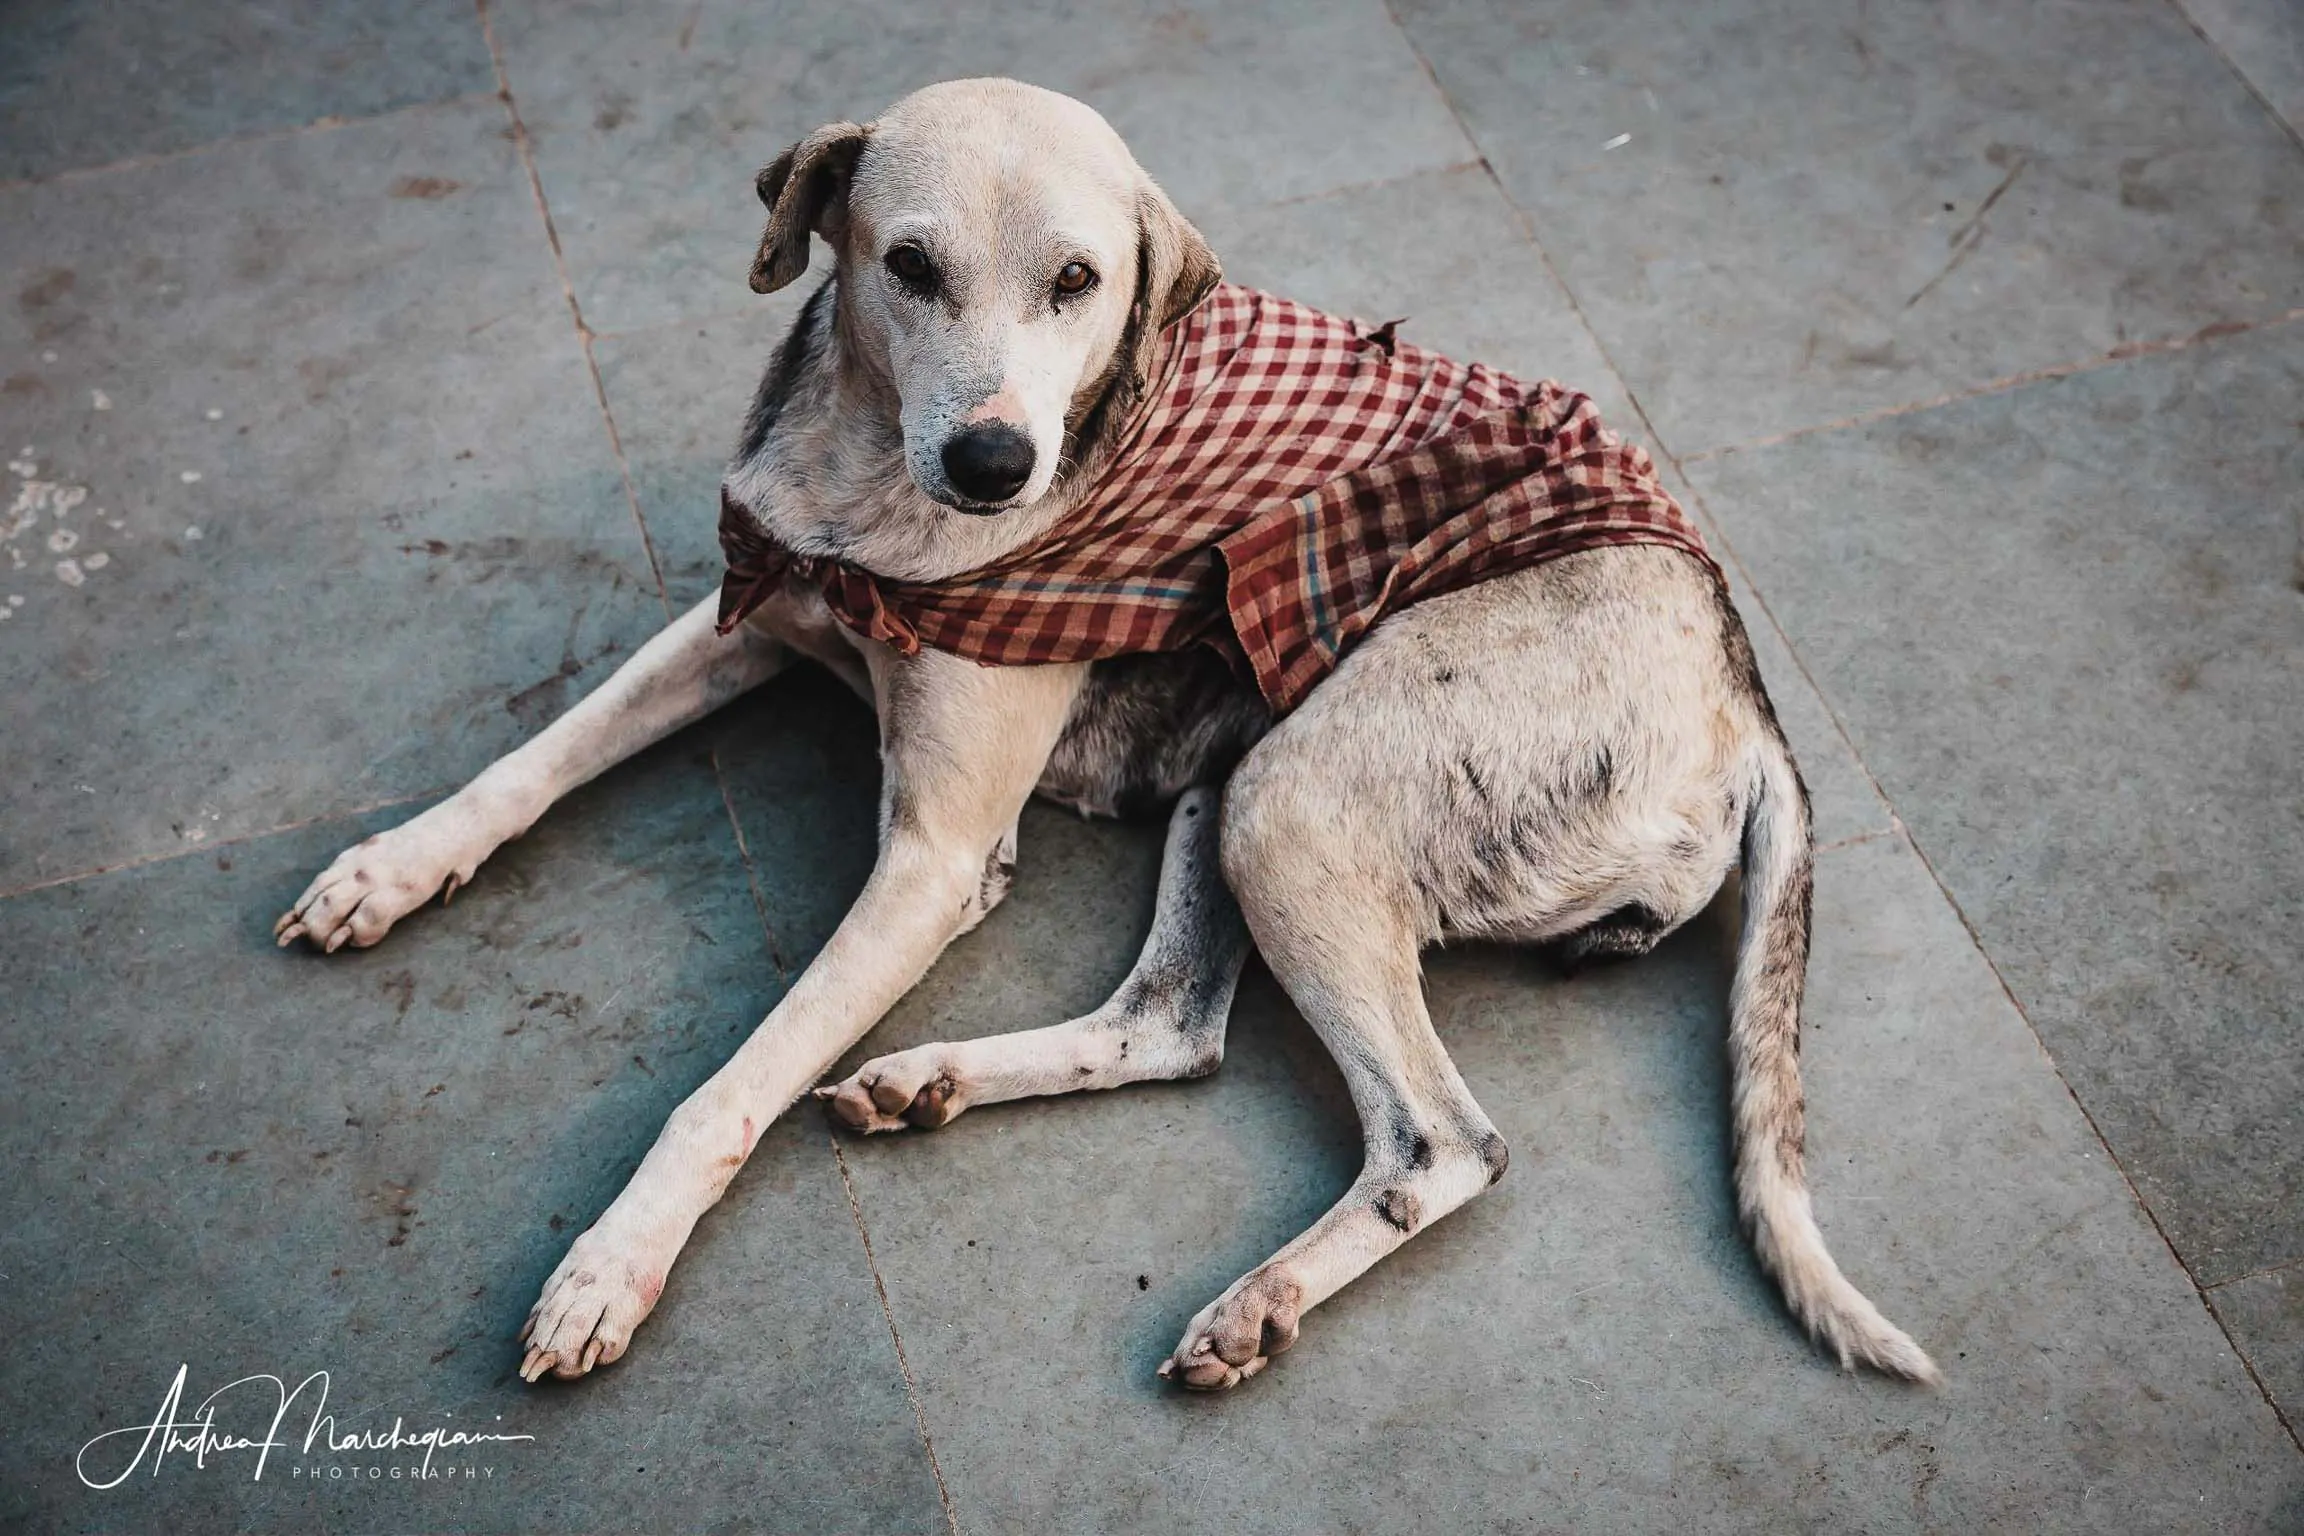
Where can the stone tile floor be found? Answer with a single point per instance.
(365, 373)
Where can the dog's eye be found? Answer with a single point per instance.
(1074, 277)
(911, 267)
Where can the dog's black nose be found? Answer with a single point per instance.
(988, 463)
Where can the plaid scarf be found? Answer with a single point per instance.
(1292, 480)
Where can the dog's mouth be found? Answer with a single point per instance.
(948, 497)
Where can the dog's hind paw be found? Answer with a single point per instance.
(1238, 1333)
(911, 1088)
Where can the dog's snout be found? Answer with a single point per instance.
(988, 463)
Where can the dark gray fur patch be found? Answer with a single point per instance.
(801, 347)
(1496, 1154)
(1147, 728)
(1621, 935)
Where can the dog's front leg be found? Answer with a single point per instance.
(682, 674)
(962, 747)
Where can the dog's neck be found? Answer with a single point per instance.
(828, 478)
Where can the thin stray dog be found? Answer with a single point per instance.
(1570, 750)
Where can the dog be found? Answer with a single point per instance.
(1572, 752)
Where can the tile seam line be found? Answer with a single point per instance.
(584, 339)
(2184, 13)
(2257, 1274)
(751, 873)
(888, 1311)
(258, 834)
(525, 147)
(331, 123)
(1975, 938)
(2128, 352)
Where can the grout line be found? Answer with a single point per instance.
(2257, 1274)
(2184, 12)
(237, 839)
(2126, 352)
(527, 151)
(1528, 233)
(2254, 1375)
(751, 874)
(911, 1387)
(1373, 183)
(328, 124)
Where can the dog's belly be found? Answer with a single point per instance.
(1147, 728)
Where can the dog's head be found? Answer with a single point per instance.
(1005, 266)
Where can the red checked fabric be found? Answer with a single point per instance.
(1294, 479)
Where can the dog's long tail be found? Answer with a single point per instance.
(1764, 1061)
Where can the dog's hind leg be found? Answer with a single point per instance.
(681, 675)
(1334, 917)
(1166, 1020)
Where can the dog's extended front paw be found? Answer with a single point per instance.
(1238, 1333)
(915, 1087)
(378, 881)
(601, 1292)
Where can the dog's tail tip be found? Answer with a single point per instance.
(1840, 1318)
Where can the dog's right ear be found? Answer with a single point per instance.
(805, 189)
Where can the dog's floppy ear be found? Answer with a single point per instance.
(806, 189)
(1179, 269)
(1175, 270)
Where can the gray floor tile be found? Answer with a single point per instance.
(2265, 1314)
(2264, 40)
(93, 81)
(650, 120)
(347, 522)
(244, 1160)
(1818, 213)
(1590, 1344)
(2063, 628)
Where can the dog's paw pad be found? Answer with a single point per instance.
(1238, 1334)
(910, 1088)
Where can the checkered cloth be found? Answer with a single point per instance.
(1293, 479)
